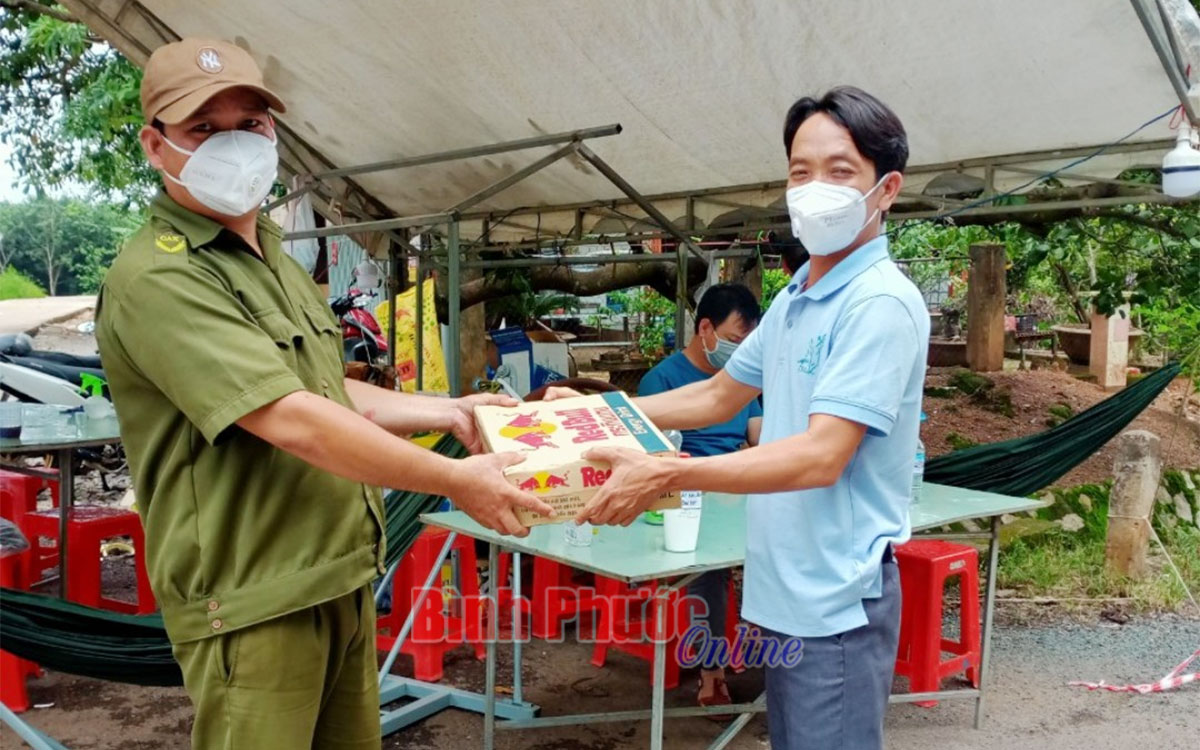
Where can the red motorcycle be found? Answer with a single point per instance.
(362, 338)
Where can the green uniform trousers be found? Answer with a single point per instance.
(305, 680)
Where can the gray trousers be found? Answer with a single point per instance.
(835, 698)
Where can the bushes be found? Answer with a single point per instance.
(16, 285)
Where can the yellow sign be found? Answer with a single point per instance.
(406, 340)
(170, 243)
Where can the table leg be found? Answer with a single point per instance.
(661, 599)
(516, 624)
(989, 603)
(66, 498)
(492, 632)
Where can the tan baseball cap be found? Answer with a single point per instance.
(182, 76)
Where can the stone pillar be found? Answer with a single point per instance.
(1137, 471)
(986, 292)
(1109, 354)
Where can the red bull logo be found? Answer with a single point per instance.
(542, 482)
(530, 430)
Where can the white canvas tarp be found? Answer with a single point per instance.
(700, 86)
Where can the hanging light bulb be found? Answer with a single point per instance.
(1181, 167)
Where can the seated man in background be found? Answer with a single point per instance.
(727, 313)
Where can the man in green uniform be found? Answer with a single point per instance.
(254, 460)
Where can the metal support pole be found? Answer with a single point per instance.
(416, 606)
(681, 295)
(34, 738)
(1162, 39)
(469, 153)
(377, 225)
(641, 201)
(731, 731)
(66, 499)
(516, 625)
(989, 606)
(660, 667)
(393, 282)
(420, 332)
(454, 300)
(489, 695)
(514, 178)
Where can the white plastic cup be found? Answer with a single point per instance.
(578, 536)
(681, 526)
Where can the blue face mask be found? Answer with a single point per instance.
(719, 356)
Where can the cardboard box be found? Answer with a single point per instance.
(554, 435)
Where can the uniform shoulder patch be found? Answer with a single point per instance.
(171, 243)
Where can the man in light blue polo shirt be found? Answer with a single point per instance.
(840, 360)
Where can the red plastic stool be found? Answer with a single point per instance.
(444, 621)
(559, 593)
(925, 566)
(621, 624)
(18, 497)
(87, 527)
(14, 669)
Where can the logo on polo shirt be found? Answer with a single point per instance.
(812, 358)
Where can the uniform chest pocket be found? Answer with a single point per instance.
(321, 320)
(286, 335)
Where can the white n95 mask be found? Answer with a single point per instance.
(231, 172)
(826, 217)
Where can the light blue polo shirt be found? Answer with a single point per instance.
(853, 346)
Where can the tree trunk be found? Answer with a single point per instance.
(659, 275)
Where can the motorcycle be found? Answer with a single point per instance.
(45, 377)
(362, 338)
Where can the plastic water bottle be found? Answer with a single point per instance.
(918, 476)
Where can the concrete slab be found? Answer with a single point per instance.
(28, 315)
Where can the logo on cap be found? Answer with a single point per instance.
(209, 61)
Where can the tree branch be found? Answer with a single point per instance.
(30, 6)
(660, 276)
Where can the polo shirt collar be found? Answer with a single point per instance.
(841, 274)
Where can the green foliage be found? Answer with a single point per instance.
(970, 383)
(1050, 561)
(934, 391)
(16, 285)
(527, 305)
(69, 107)
(958, 442)
(1059, 413)
(653, 315)
(774, 280)
(66, 244)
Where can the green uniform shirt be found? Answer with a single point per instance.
(196, 332)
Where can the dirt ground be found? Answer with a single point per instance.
(1028, 705)
(1034, 392)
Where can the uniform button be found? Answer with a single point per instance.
(324, 383)
(216, 624)
(213, 605)
(789, 324)
(375, 548)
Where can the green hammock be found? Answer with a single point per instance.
(71, 638)
(1025, 465)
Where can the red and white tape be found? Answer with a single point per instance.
(1175, 679)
